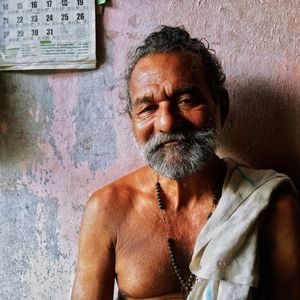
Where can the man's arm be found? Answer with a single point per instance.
(281, 248)
(96, 260)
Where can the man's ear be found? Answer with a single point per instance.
(224, 105)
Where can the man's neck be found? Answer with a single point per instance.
(184, 193)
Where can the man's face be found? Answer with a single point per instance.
(173, 113)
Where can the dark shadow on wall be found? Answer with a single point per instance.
(100, 41)
(13, 134)
(263, 127)
(25, 119)
(100, 37)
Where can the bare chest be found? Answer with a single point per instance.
(143, 263)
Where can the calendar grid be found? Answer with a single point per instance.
(47, 34)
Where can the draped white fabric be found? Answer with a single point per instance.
(224, 259)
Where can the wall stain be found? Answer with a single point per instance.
(94, 118)
(26, 115)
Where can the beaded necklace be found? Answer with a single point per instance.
(186, 285)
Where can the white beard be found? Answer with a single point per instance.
(177, 161)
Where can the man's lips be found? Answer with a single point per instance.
(170, 143)
(173, 142)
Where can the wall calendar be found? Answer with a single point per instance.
(47, 34)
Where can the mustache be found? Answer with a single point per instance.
(184, 136)
(194, 148)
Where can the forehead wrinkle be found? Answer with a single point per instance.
(148, 76)
(156, 91)
(152, 85)
(166, 89)
(158, 78)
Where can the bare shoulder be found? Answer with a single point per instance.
(104, 214)
(113, 201)
(281, 243)
(282, 229)
(283, 211)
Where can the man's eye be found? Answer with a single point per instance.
(185, 101)
(189, 102)
(147, 109)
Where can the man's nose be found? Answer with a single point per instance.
(167, 119)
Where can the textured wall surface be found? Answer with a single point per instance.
(62, 137)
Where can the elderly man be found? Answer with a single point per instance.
(189, 224)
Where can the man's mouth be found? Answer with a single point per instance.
(171, 143)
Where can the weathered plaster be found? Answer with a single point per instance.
(62, 137)
(25, 120)
(94, 122)
(29, 245)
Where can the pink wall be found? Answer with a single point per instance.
(62, 136)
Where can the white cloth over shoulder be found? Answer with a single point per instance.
(224, 259)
